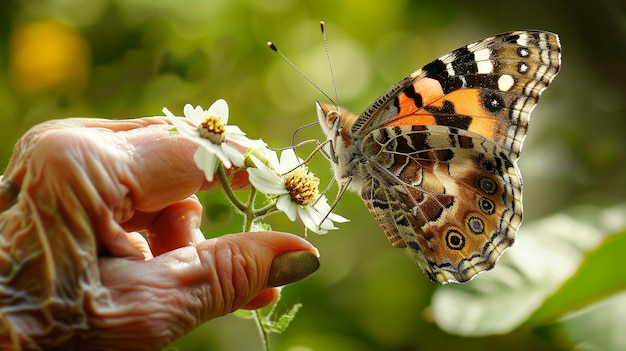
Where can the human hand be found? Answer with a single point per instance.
(74, 272)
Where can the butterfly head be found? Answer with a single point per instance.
(329, 117)
(336, 123)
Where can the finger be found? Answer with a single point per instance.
(164, 169)
(245, 264)
(137, 241)
(14, 171)
(160, 161)
(175, 226)
(265, 298)
(214, 278)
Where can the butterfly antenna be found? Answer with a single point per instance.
(275, 49)
(330, 65)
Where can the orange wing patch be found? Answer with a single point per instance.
(467, 102)
(426, 104)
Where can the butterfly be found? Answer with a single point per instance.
(434, 157)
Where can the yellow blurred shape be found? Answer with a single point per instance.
(48, 55)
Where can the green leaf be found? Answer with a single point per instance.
(260, 226)
(546, 254)
(595, 280)
(272, 321)
(278, 323)
(599, 327)
(244, 314)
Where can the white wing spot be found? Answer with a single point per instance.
(472, 47)
(523, 52)
(522, 67)
(484, 67)
(523, 39)
(505, 82)
(483, 61)
(450, 69)
(464, 81)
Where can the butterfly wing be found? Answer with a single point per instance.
(489, 87)
(454, 199)
(439, 150)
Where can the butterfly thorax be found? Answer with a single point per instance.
(344, 149)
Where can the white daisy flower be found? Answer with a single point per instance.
(295, 188)
(217, 140)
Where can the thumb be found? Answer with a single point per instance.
(243, 265)
(193, 284)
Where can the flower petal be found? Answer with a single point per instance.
(287, 206)
(206, 161)
(181, 123)
(219, 109)
(264, 156)
(216, 150)
(272, 158)
(188, 110)
(241, 142)
(194, 114)
(310, 218)
(167, 113)
(233, 154)
(289, 160)
(266, 181)
(233, 130)
(265, 185)
(322, 206)
(337, 218)
(186, 130)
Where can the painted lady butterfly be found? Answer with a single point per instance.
(434, 157)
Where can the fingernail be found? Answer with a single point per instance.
(292, 266)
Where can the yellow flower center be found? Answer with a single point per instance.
(302, 186)
(212, 129)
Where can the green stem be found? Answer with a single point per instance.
(241, 207)
(249, 215)
(265, 210)
(265, 337)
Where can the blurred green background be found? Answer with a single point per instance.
(125, 59)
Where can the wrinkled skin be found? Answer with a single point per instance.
(74, 272)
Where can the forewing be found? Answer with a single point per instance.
(488, 88)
